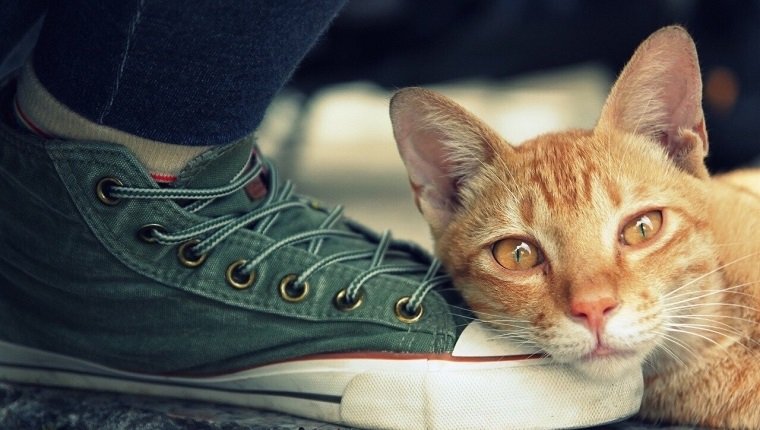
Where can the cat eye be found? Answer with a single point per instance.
(641, 228)
(516, 254)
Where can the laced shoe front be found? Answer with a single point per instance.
(230, 287)
(192, 251)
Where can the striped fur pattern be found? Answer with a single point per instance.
(683, 304)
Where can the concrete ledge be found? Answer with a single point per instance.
(29, 407)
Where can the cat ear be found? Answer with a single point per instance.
(659, 94)
(443, 147)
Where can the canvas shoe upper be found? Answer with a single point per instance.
(230, 287)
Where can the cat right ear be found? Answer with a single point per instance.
(659, 95)
(443, 147)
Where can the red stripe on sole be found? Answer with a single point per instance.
(374, 356)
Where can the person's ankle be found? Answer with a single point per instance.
(38, 111)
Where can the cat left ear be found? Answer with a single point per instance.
(659, 94)
(443, 148)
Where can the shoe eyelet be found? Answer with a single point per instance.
(235, 279)
(186, 257)
(145, 233)
(290, 292)
(404, 315)
(102, 188)
(344, 304)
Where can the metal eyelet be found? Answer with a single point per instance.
(344, 304)
(404, 315)
(185, 257)
(145, 233)
(290, 292)
(102, 188)
(235, 279)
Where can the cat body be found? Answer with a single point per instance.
(609, 248)
(719, 384)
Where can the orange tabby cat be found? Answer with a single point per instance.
(609, 248)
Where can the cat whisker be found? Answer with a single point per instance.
(500, 321)
(672, 354)
(731, 334)
(665, 335)
(733, 338)
(526, 343)
(699, 305)
(461, 308)
(510, 320)
(728, 328)
(715, 324)
(514, 325)
(668, 338)
(692, 354)
(711, 317)
(521, 338)
(707, 293)
(704, 275)
(506, 326)
(524, 330)
(723, 347)
(497, 316)
(724, 289)
(647, 363)
(511, 337)
(467, 317)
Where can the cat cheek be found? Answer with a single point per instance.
(543, 322)
(487, 300)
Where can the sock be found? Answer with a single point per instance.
(41, 113)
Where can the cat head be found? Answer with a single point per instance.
(573, 241)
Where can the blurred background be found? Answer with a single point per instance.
(525, 66)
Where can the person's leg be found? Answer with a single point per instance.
(19, 27)
(142, 72)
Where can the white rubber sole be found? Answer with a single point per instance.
(383, 392)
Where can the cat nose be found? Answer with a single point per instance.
(593, 310)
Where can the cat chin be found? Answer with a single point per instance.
(609, 367)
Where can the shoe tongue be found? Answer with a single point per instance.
(217, 166)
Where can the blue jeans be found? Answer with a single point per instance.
(191, 72)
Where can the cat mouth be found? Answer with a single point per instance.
(602, 352)
(606, 363)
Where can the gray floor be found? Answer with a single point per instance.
(27, 408)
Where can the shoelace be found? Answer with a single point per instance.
(280, 198)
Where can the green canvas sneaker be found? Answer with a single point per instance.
(228, 287)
